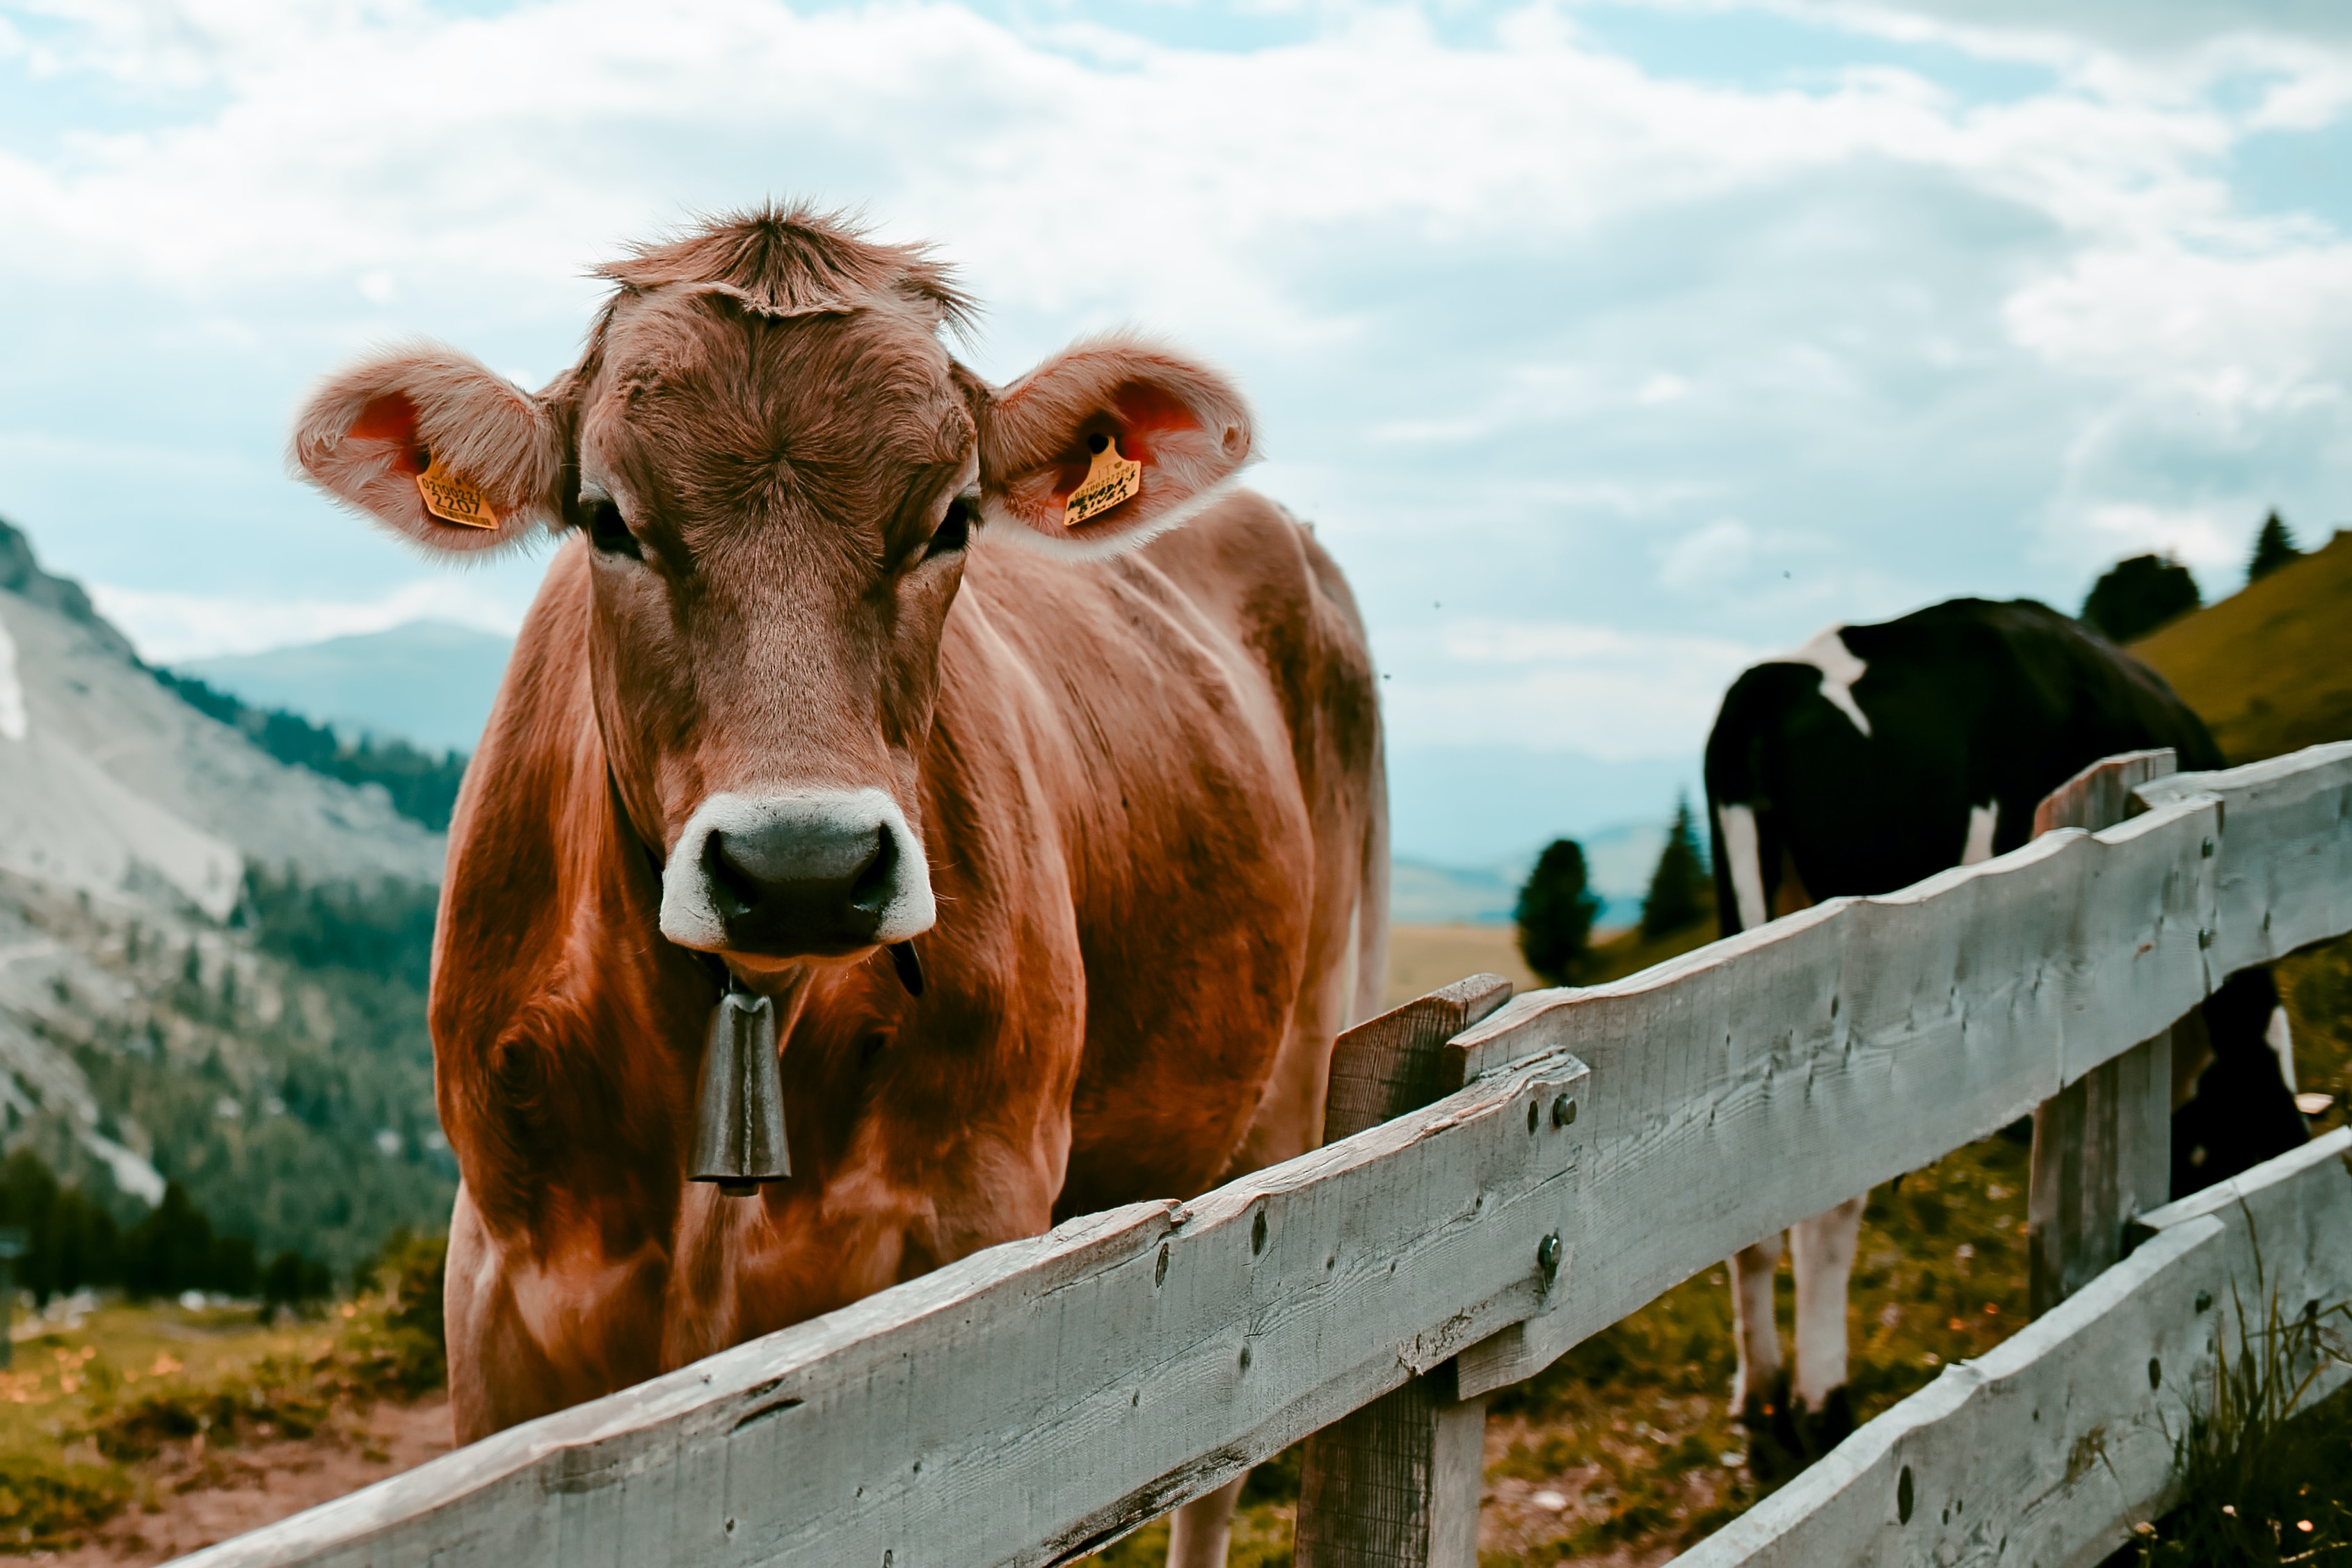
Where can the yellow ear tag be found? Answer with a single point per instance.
(1111, 479)
(452, 499)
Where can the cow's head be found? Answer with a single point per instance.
(776, 468)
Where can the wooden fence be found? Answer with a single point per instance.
(1588, 1149)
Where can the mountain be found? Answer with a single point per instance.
(2269, 668)
(212, 963)
(1618, 861)
(430, 682)
(1483, 805)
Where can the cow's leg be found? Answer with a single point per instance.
(1760, 1392)
(499, 1374)
(1756, 1334)
(2280, 1036)
(1199, 1532)
(1820, 1253)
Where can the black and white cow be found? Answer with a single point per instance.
(1874, 757)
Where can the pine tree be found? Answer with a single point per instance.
(2274, 548)
(1680, 891)
(1555, 912)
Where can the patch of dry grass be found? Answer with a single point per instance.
(91, 1405)
(2270, 667)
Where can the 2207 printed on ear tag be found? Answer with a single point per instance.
(452, 499)
(1109, 481)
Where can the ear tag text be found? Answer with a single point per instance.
(1110, 480)
(452, 499)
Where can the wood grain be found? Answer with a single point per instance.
(1032, 1402)
(2050, 1447)
(2100, 795)
(2102, 1155)
(1396, 1484)
(1764, 1077)
(2103, 1144)
(1397, 1062)
(2283, 850)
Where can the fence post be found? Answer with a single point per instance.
(1396, 1485)
(2102, 1145)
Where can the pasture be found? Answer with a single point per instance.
(1623, 1453)
(886, 1041)
(1620, 1453)
(129, 1434)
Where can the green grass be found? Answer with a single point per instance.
(1630, 1430)
(1632, 1426)
(2264, 1471)
(85, 1410)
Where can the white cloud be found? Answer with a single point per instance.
(1560, 686)
(1535, 323)
(2252, 322)
(2193, 538)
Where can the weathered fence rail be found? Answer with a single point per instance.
(2049, 1449)
(1034, 1400)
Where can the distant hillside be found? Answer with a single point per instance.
(21, 574)
(278, 1069)
(212, 963)
(421, 786)
(110, 781)
(427, 682)
(1619, 861)
(2269, 668)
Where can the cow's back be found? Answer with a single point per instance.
(1212, 749)
(1971, 704)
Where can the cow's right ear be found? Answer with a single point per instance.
(429, 443)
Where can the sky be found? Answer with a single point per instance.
(1610, 347)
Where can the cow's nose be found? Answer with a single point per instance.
(806, 874)
(806, 886)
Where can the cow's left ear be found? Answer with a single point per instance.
(1108, 443)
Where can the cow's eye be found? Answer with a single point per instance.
(953, 533)
(606, 530)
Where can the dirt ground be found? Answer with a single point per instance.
(197, 1498)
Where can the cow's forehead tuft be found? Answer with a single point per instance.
(878, 379)
(787, 259)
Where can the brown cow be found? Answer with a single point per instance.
(819, 669)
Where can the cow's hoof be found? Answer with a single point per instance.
(1831, 1425)
(1783, 1437)
(1776, 1442)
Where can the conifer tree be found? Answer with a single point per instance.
(2274, 548)
(1555, 913)
(1680, 891)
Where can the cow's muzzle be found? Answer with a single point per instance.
(809, 874)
